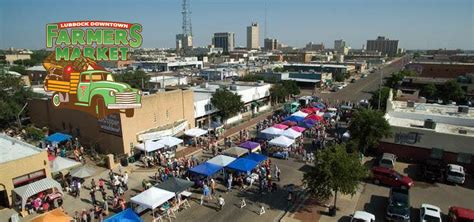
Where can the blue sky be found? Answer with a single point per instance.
(416, 23)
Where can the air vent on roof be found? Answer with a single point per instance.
(410, 104)
(430, 124)
(463, 109)
(462, 131)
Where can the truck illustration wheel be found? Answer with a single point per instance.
(129, 112)
(99, 107)
(56, 100)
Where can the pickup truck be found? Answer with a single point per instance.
(94, 91)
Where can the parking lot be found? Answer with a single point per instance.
(374, 198)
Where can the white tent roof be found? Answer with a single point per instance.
(152, 198)
(272, 131)
(61, 163)
(281, 141)
(169, 141)
(300, 114)
(290, 133)
(221, 160)
(149, 146)
(195, 132)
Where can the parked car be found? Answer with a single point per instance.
(388, 160)
(390, 177)
(430, 213)
(362, 216)
(460, 214)
(434, 170)
(455, 174)
(353, 80)
(398, 208)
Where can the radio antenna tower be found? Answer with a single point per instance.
(186, 12)
(265, 29)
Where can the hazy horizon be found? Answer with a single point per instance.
(418, 24)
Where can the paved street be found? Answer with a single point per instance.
(362, 87)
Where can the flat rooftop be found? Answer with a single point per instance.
(440, 127)
(12, 149)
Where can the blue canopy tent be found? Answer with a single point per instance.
(206, 169)
(320, 105)
(125, 216)
(242, 165)
(58, 137)
(294, 118)
(306, 124)
(256, 157)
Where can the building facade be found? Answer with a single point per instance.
(184, 42)
(224, 40)
(270, 44)
(167, 111)
(383, 45)
(20, 164)
(253, 36)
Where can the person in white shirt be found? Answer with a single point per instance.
(221, 202)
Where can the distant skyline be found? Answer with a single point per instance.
(418, 24)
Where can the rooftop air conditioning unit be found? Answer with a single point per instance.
(430, 124)
(410, 104)
(463, 109)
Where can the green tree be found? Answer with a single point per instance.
(278, 69)
(278, 93)
(13, 96)
(339, 77)
(19, 69)
(394, 79)
(291, 87)
(429, 90)
(367, 127)
(452, 91)
(227, 102)
(334, 171)
(383, 94)
(136, 79)
(251, 78)
(33, 133)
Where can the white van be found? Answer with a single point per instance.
(455, 174)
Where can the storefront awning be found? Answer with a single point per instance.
(169, 141)
(195, 132)
(31, 189)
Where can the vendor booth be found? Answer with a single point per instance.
(195, 132)
(31, 189)
(235, 152)
(256, 157)
(125, 216)
(281, 141)
(292, 134)
(315, 117)
(270, 133)
(242, 165)
(298, 129)
(58, 138)
(294, 118)
(307, 123)
(300, 114)
(203, 171)
(280, 126)
(170, 141)
(82, 172)
(175, 185)
(56, 215)
(221, 160)
(251, 146)
(150, 199)
(59, 164)
(149, 146)
(289, 123)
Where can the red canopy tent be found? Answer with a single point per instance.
(310, 110)
(315, 117)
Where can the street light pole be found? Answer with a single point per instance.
(19, 113)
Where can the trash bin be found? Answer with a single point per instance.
(124, 162)
(332, 211)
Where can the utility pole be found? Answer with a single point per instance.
(19, 113)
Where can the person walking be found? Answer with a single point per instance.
(221, 202)
(229, 183)
(277, 173)
(213, 187)
(92, 193)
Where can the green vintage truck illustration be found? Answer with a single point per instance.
(93, 90)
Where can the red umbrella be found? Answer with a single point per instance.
(289, 123)
(315, 117)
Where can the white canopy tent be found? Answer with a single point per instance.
(60, 163)
(281, 141)
(152, 198)
(169, 141)
(221, 160)
(290, 133)
(149, 146)
(195, 132)
(300, 114)
(272, 131)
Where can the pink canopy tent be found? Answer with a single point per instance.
(280, 126)
(298, 129)
(289, 123)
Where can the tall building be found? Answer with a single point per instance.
(253, 36)
(224, 40)
(383, 45)
(184, 42)
(270, 44)
(314, 47)
(339, 44)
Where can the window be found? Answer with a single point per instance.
(208, 107)
(464, 158)
(437, 153)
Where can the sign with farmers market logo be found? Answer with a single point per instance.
(75, 78)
